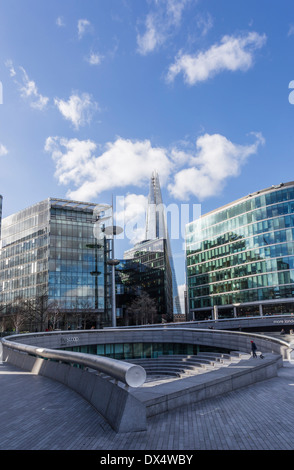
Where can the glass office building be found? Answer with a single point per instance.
(53, 248)
(149, 270)
(132, 279)
(240, 257)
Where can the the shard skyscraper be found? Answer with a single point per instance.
(157, 245)
(156, 227)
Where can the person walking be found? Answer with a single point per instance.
(253, 349)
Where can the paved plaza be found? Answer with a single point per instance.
(38, 413)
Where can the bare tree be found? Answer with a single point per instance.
(83, 313)
(88, 314)
(18, 319)
(3, 316)
(142, 310)
(55, 313)
(17, 314)
(38, 310)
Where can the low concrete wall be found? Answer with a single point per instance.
(230, 340)
(122, 410)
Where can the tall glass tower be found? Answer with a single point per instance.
(156, 246)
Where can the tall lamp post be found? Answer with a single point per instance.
(101, 216)
(95, 273)
(112, 231)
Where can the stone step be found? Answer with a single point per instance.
(216, 355)
(164, 371)
(175, 362)
(191, 359)
(238, 354)
(211, 358)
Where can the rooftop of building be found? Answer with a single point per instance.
(68, 203)
(274, 187)
(61, 204)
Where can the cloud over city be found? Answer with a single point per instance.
(202, 173)
(27, 87)
(160, 23)
(84, 26)
(233, 53)
(78, 109)
(216, 160)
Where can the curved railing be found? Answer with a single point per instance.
(129, 374)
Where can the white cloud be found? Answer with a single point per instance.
(75, 163)
(174, 9)
(130, 206)
(160, 23)
(151, 38)
(204, 23)
(84, 26)
(216, 160)
(60, 22)
(94, 58)
(233, 53)
(124, 163)
(78, 109)
(28, 88)
(131, 215)
(12, 71)
(291, 30)
(3, 150)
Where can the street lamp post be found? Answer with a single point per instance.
(113, 230)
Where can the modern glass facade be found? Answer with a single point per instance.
(127, 351)
(24, 253)
(132, 279)
(152, 273)
(51, 248)
(240, 258)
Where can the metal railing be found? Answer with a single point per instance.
(130, 374)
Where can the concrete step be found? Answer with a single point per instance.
(195, 358)
(238, 354)
(165, 366)
(211, 358)
(183, 365)
(215, 355)
(171, 362)
(164, 371)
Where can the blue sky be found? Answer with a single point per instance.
(99, 93)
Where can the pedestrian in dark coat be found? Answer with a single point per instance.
(253, 349)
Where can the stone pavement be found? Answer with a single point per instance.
(37, 413)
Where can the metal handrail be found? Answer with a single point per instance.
(129, 374)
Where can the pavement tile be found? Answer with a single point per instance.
(38, 413)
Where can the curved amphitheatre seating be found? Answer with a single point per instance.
(182, 366)
(127, 403)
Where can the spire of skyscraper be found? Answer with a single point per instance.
(155, 217)
(156, 227)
